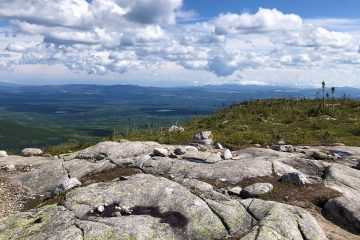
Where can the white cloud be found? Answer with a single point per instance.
(137, 36)
(320, 37)
(265, 20)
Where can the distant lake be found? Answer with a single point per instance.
(165, 110)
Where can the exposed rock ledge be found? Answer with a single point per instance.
(142, 196)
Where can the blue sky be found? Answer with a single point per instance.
(304, 8)
(180, 42)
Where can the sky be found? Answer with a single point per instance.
(180, 42)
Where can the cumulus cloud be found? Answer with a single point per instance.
(104, 36)
(320, 37)
(265, 20)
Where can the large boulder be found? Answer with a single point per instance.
(3, 154)
(176, 129)
(30, 152)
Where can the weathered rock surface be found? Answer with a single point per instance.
(281, 221)
(344, 210)
(160, 209)
(149, 197)
(192, 205)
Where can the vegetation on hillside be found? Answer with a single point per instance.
(297, 121)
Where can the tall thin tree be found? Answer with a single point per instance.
(323, 90)
(332, 95)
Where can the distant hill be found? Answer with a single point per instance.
(95, 111)
(268, 121)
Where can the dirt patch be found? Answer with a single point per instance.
(12, 197)
(303, 196)
(109, 175)
(39, 201)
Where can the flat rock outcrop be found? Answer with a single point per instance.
(128, 192)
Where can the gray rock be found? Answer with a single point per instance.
(281, 142)
(205, 157)
(116, 150)
(180, 150)
(227, 154)
(358, 165)
(296, 178)
(235, 191)
(161, 152)
(50, 222)
(9, 168)
(206, 135)
(218, 146)
(45, 178)
(204, 138)
(100, 209)
(257, 145)
(166, 200)
(344, 210)
(29, 152)
(320, 155)
(207, 142)
(283, 148)
(233, 214)
(3, 154)
(175, 129)
(281, 221)
(79, 168)
(256, 190)
(66, 186)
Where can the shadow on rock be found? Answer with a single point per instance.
(174, 219)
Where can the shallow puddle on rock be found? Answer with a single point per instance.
(341, 153)
(174, 219)
(196, 161)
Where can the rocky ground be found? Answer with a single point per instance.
(144, 190)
